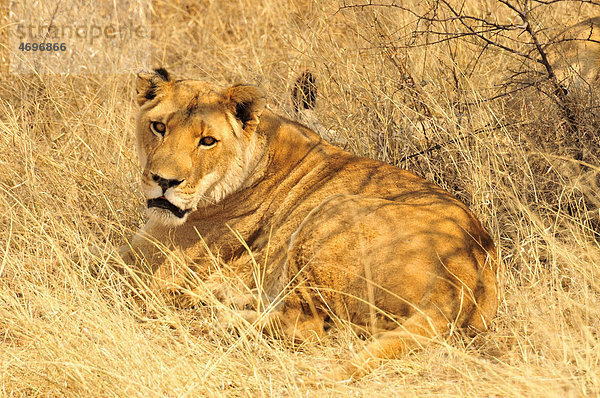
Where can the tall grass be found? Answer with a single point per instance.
(69, 196)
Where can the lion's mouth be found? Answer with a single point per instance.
(163, 203)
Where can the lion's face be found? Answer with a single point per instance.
(195, 143)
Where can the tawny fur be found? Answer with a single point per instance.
(345, 237)
(575, 55)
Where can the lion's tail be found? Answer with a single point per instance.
(304, 100)
(304, 93)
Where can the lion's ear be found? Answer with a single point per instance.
(246, 103)
(149, 84)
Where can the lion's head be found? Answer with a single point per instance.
(196, 143)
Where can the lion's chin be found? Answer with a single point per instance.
(166, 213)
(165, 217)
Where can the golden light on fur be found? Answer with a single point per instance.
(350, 238)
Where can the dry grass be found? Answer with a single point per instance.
(69, 196)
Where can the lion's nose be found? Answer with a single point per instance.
(165, 183)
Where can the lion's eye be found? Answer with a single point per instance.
(158, 128)
(207, 141)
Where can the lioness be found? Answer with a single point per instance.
(346, 238)
(575, 54)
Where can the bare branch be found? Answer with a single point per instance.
(548, 2)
